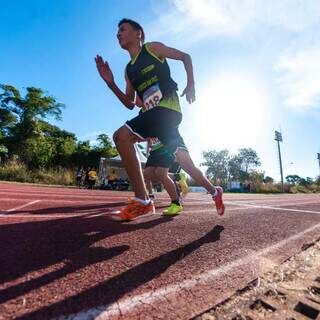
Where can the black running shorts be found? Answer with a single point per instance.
(161, 123)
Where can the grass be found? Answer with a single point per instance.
(18, 172)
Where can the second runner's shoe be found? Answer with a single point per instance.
(218, 201)
(183, 184)
(172, 210)
(131, 211)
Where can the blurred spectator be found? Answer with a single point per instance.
(79, 176)
(112, 179)
(92, 177)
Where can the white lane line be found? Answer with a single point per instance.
(40, 216)
(67, 195)
(89, 202)
(121, 307)
(281, 203)
(21, 207)
(269, 207)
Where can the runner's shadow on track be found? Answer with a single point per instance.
(92, 208)
(33, 246)
(113, 289)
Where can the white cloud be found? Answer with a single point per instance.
(299, 77)
(202, 18)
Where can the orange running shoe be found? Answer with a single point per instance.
(131, 211)
(218, 201)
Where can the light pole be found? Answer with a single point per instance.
(319, 160)
(278, 138)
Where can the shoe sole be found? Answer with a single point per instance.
(171, 214)
(224, 207)
(118, 219)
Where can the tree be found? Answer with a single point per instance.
(293, 179)
(104, 141)
(306, 182)
(7, 120)
(241, 164)
(256, 176)
(22, 116)
(217, 164)
(268, 179)
(234, 168)
(63, 142)
(249, 159)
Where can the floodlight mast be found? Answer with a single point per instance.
(278, 138)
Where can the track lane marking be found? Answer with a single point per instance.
(123, 306)
(20, 207)
(269, 207)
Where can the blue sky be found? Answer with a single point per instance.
(256, 66)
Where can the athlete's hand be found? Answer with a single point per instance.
(104, 69)
(190, 93)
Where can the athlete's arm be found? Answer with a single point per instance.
(162, 51)
(106, 74)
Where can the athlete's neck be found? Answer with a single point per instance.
(133, 50)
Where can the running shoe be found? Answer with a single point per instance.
(218, 201)
(172, 210)
(132, 211)
(183, 184)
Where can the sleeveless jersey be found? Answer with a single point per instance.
(151, 79)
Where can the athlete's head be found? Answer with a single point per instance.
(129, 33)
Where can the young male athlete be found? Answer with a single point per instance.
(148, 77)
(157, 169)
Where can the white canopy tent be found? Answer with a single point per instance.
(106, 166)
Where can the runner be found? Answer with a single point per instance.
(179, 178)
(157, 170)
(148, 76)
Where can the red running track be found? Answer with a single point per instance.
(62, 258)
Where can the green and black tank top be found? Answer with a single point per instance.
(151, 79)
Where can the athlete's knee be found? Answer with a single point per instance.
(122, 134)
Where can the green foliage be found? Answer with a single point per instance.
(222, 167)
(38, 153)
(23, 122)
(37, 143)
(293, 179)
(217, 165)
(268, 179)
(242, 164)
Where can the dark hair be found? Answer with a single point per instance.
(135, 25)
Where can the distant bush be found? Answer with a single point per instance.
(16, 171)
(260, 187)
(314, 188)
(299, 189)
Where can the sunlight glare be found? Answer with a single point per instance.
(231, 107)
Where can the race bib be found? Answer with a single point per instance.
(155, 143)
(152, 97)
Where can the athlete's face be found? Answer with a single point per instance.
(127, 35)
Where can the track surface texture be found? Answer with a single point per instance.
(61, 258)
